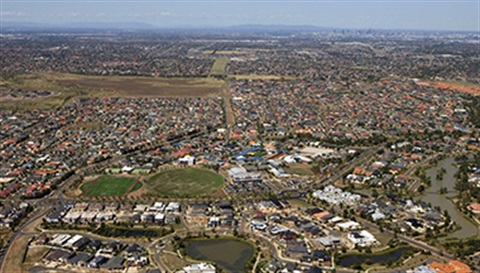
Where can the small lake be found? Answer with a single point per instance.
(229, 254)
(350, 260)
(432, 195)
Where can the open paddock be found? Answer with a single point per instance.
(149, 87)
(68, 87)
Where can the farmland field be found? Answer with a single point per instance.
(108, 186)
(189, 182)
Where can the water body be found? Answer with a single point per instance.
(431, 195)
(229, 254)
(350, 260)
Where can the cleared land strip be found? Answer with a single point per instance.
(262, 77)
(464, 87)
(219, 67)
(229, 113)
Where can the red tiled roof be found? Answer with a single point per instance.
(474, 206)
(459, 265)
(181, 153)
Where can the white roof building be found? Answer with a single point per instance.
(199, 268)
(127, 169)
(329, 241)
(158, 207)
(335, 220)
(72, 216)
(188, 159)
(349, 225)
(378, 215)
(241, 175)
(73, 240)
(173, 207)
(422, 269)
(335, 196)
(60, 239)
(159, 217)
(362, 238)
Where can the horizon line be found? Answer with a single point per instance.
(153, 26)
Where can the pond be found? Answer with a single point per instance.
(229, 254)
(432, 196)
(350, 260)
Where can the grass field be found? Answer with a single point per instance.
(300, 169)
(219, 67)
(67, 87)
(137, 186)
(173, 261)
(189, 182)
(62, 93)
(108, 186)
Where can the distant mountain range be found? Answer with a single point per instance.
(77, 26)
(145, 26)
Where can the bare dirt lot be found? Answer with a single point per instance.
(35, 254)
(14, 258)
(463, 87)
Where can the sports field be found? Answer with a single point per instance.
(109, 186)
(189, 182)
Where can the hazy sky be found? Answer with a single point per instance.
(386, 14)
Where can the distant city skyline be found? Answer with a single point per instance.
(372, 14)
